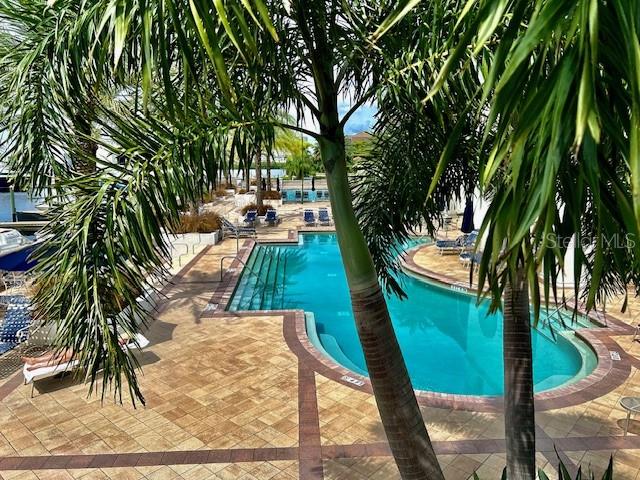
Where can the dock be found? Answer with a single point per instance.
(25, 227)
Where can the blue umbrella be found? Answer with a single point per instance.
(467, 217)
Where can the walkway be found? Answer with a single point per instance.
(238, 397)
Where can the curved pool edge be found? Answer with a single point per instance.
(607, 376)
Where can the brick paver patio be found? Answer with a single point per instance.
(244, 396)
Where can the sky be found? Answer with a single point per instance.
(361, 121)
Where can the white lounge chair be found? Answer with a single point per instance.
(31, 376)
(138, 341)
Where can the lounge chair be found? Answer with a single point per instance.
(323, 216)
(250, 218)
(31, 376)
(449, 246)
(271, 217)
(460, 244)
(467, 257)
(15, 327)
(309, 218)
(229, 228)
(15, 281)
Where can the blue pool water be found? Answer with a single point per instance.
(449, 343)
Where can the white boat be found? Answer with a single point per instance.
(15, 249)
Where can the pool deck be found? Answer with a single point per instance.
(243, 396)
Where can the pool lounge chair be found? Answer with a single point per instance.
(449, 246)
(323, 217)
(309, 218)
(467, 257)
(271, 217)
(460, 244)
(250, 218)
(31, 376)
(14, 328)
(229, 228)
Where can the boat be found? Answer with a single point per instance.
(15, 250)
(30, 216)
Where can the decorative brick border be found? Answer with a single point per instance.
(327, 452)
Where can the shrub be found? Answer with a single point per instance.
(242, 191)
(261, 210)
(564, 473)
(271, 195)
(198, 223)
(221, 192)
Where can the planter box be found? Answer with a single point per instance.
(198, 239)
(273, 203)
(230, 191)
(241, 200)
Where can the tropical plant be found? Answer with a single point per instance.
(272, 195)
(563, 473)
(560, 166)
(572, 160)
(261, 209)
(201, 68)
(206, 222)
(299, 166)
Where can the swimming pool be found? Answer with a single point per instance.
(449, 343)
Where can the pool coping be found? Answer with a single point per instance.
(608, 374)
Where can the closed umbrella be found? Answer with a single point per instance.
(264, 184)
(313, 184)
(278, 184)
(467, 217)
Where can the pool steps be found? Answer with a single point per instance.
(324, 342)
(263, 277)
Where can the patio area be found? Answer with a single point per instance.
(235, 396)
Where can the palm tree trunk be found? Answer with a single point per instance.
(519, 411)
(259, 176)
(399, 411)
(268, 171)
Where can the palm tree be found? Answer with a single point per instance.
(309, 55)
(49, 107)
(560, 165)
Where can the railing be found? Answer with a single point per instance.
(261, 281)
(229, 256)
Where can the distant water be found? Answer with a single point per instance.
(23, 202)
